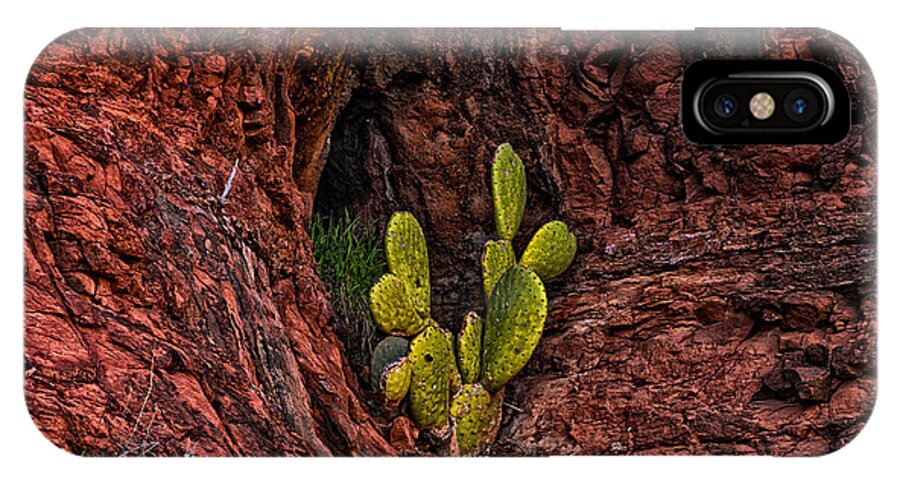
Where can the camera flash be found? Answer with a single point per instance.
(762, 105)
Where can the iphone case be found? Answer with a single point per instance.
(217, 262)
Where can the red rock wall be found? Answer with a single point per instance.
(160, 320)
(722, 300)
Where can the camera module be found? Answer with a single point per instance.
(763, 101)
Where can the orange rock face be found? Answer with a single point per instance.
(161, 320)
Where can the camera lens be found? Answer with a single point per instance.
(801, 105)
(725, 105)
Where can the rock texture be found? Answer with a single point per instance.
(722, 300)
(161, 320)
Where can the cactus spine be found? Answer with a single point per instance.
(457, 384)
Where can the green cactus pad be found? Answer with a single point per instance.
(396, 383)
(429, 389)
(392, 308)
(551, 250)
(515, 320)
(407, 258)
(390, 370)
(468, 348)
(508, 190)
(476, 414)
(497, 258)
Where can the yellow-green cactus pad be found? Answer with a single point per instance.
(468, 348)
(508, 190)
(476, 414)
(390, 369)
(429, 389)
(551, 250)
(396, 382)
(407, 258)
(392, 307)
(515, 320)
(497, 258)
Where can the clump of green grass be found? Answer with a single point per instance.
(348, 255)
(349, 259)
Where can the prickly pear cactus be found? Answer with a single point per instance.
(429, 388)
(390, 369)
(515, 320)
(468, 348)
(456, 384)
(550, 251)
(476, 414)
(392, 307)
(497, 258)
(508, 190)
(407, 258)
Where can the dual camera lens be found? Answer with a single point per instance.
(799, 105)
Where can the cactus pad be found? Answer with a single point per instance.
(551, 250)
(497, 258)
(477, 416)
(392, 308)
(515, 320)
(508, 190)
(455, 378)
(407, 258)
(390, 369)
(468, 348)
(396, 383)
(429, 389)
